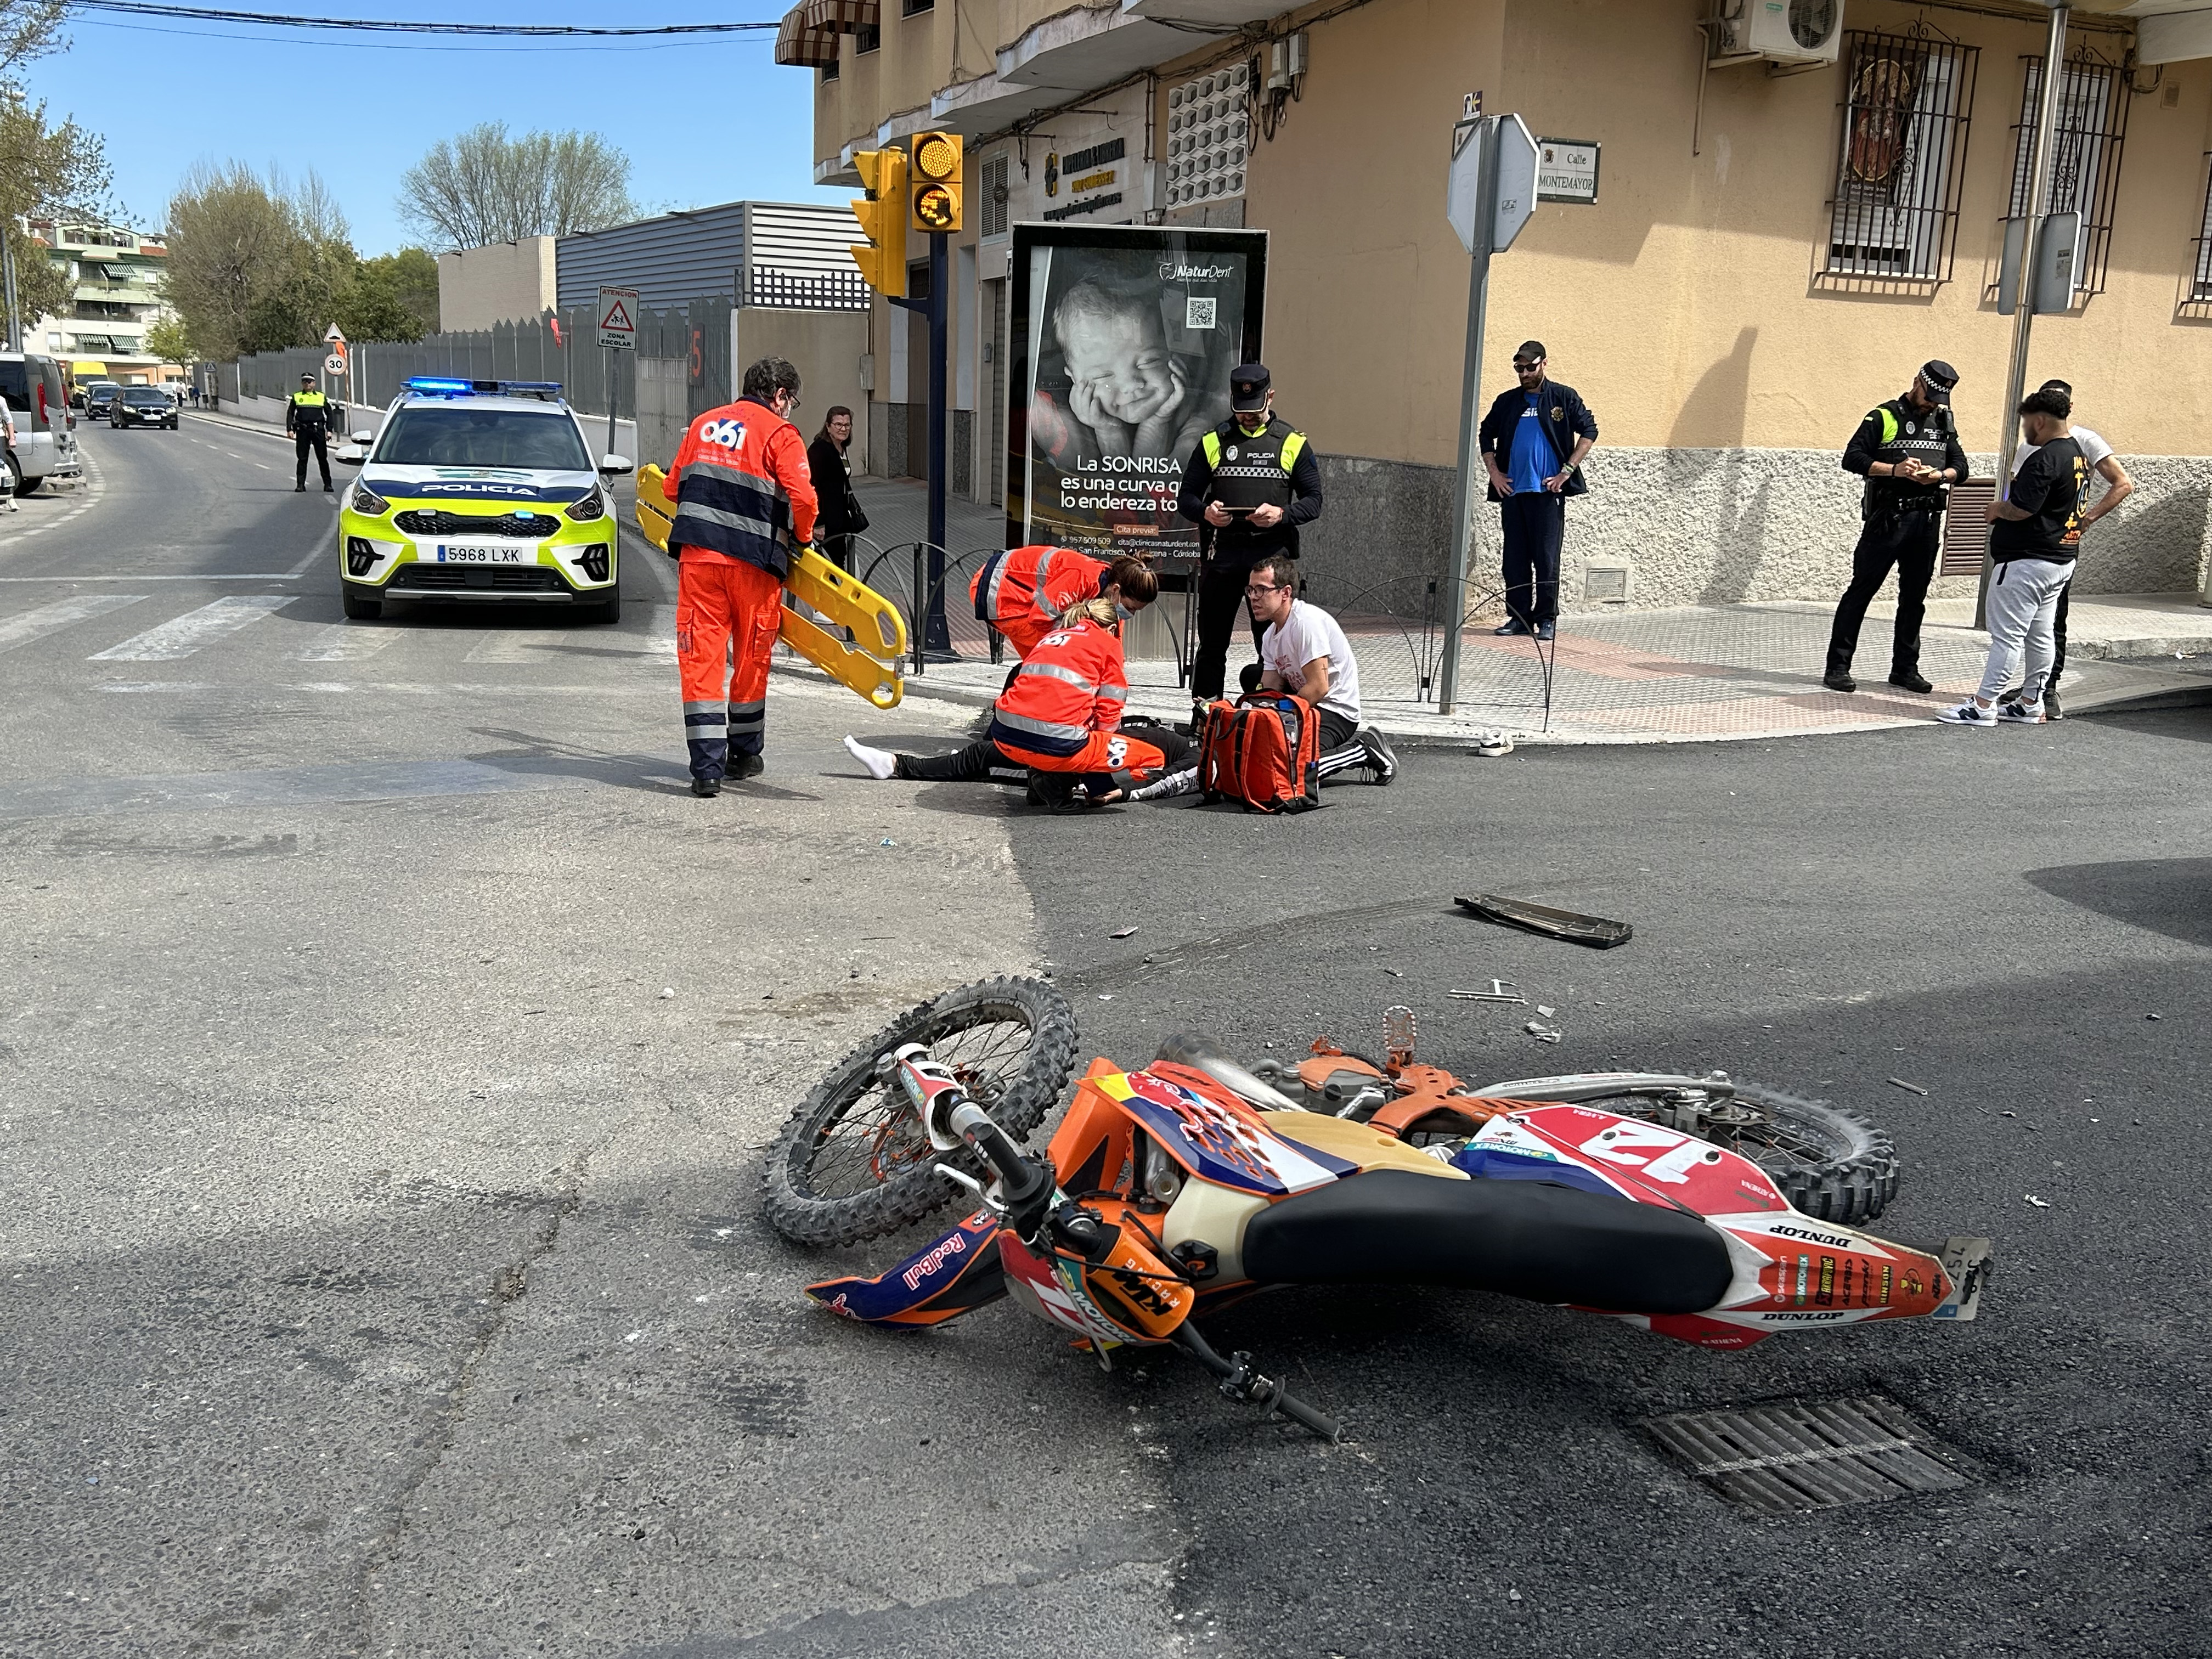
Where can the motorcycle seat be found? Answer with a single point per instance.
(1525, 1239)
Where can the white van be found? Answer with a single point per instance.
(46, 434)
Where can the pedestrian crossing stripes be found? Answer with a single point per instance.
(23, 629)
(346, 642)
(180, 636)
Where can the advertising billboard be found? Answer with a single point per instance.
(1122, 341)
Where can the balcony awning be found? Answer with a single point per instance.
(799, 45)
(842, 16)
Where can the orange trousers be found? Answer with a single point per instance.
(1109, 758)
(728, 612)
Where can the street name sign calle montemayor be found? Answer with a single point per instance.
(618, 319)
(1566, 171)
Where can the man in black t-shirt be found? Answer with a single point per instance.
(2035, 534)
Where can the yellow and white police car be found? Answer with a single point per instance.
(478, 491)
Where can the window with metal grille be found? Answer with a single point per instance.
(869, 37)
(1895, 211)
(995, 197)
(830, 70)
(2200, 284)
(2084, 171)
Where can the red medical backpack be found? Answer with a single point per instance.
(1263, 749)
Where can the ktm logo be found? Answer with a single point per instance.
(1137, 1290)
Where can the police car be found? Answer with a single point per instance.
(478, 491)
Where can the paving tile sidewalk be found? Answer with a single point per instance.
(1699, 675)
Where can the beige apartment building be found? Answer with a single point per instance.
(1797, 203)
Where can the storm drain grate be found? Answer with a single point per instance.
(1809, 1455)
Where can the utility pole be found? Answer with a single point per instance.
(8, 275)
(936, 635)
(2023, 296)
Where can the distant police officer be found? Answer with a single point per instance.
(1907, 450)
(1248, 486)
(310, 417)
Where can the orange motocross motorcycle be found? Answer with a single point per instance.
(1167, 1191)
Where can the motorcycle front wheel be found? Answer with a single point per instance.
(854, 1164)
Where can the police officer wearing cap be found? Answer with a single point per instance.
(1249, 484)
(310, 417)
(1908, 452)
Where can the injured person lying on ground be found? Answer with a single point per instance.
(1059, 720)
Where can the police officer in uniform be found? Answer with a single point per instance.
(311, 417)
(1249, 484)
(1908, 452)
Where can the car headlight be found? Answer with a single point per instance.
(366, 500)
(593, 505)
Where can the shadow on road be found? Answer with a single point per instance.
(2172, 897)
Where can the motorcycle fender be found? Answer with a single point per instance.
(942, 1280)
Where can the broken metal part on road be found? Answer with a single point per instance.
(1909, 1088)
(1488, 996)
(1595, 932)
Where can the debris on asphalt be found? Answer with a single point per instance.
(1105, 996)
(1123, 933)
(1913, 1088)
(666, 992)
(1547, 1013)
(2010, 1114)
(1541, 1031)
(886, 841)
(2153, 1016)
(1489, 996)
(1513, 1596)
(1394, 973)
(1596, 931)
(2039, 1203)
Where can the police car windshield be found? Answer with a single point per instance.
(459, 434)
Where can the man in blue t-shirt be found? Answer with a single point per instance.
(1533, 440)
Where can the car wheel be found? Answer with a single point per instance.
(608, 611)
(14, 479)
(358, 609)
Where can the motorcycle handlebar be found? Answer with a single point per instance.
(1021, 1178)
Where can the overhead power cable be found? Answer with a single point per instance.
(390, 25)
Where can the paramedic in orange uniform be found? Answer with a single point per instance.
(742, 496)
(1024, 592)
(1060, 717)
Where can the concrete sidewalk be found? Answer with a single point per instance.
(1699, 675)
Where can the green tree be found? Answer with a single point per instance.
(371, 307)
(168, 340)
(256, 264)
(484, 187)
(414, 275)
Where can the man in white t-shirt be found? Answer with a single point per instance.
(2118, 486)
(1303, 651)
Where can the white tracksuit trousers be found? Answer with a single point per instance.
(2023, 600)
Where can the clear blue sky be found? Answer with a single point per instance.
(702, 121)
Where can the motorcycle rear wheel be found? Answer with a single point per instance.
(1830, 1163)
(852, 1162)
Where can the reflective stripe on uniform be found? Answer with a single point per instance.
(1210, 446)
(1889, 426)
(1052, 671)
(1291, 446)
(1050, 729)
(751, 523)
(1036, 584)
(997, 572)
(745, 715)
(700, 717)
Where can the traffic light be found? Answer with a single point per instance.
(883, 220)
(935, 182)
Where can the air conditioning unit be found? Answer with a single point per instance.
(1777, 31)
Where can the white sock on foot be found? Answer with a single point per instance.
(880, 762)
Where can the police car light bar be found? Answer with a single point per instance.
(532, 388)
(436, 387)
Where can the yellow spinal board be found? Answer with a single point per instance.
(869, 666)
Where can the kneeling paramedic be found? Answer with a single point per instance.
(1017, 585)
(1059, 717)
(743, 494)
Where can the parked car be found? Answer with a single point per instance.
(45, 444)
(142, 406)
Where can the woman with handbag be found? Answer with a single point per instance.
(842, 518)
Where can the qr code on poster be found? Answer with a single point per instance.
(1197, 313)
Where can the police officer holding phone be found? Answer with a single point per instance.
(1908, 452)
(1249, 484)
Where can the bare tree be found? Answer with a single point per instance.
(28, 29)
(484, 187)
(255, 264)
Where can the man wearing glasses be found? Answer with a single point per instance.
(1533, 442)
(1908, 452)
(1304, 651)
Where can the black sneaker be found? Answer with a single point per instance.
(705, 788)
(1836, 679)
(746, 766)
(2051, 704)
(1380, 761)
(1906, 680)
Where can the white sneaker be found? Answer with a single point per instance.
(1173, 783)
(1968, 713)
(1496, 745)
(881, 762)
(2020, 713)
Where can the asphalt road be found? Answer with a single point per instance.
(380, 1271)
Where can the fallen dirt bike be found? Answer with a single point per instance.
(1192, 1182)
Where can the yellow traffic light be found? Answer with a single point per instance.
(883, 220)
(935, 182)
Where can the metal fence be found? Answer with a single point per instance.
(1397, 631)
(560, 347)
